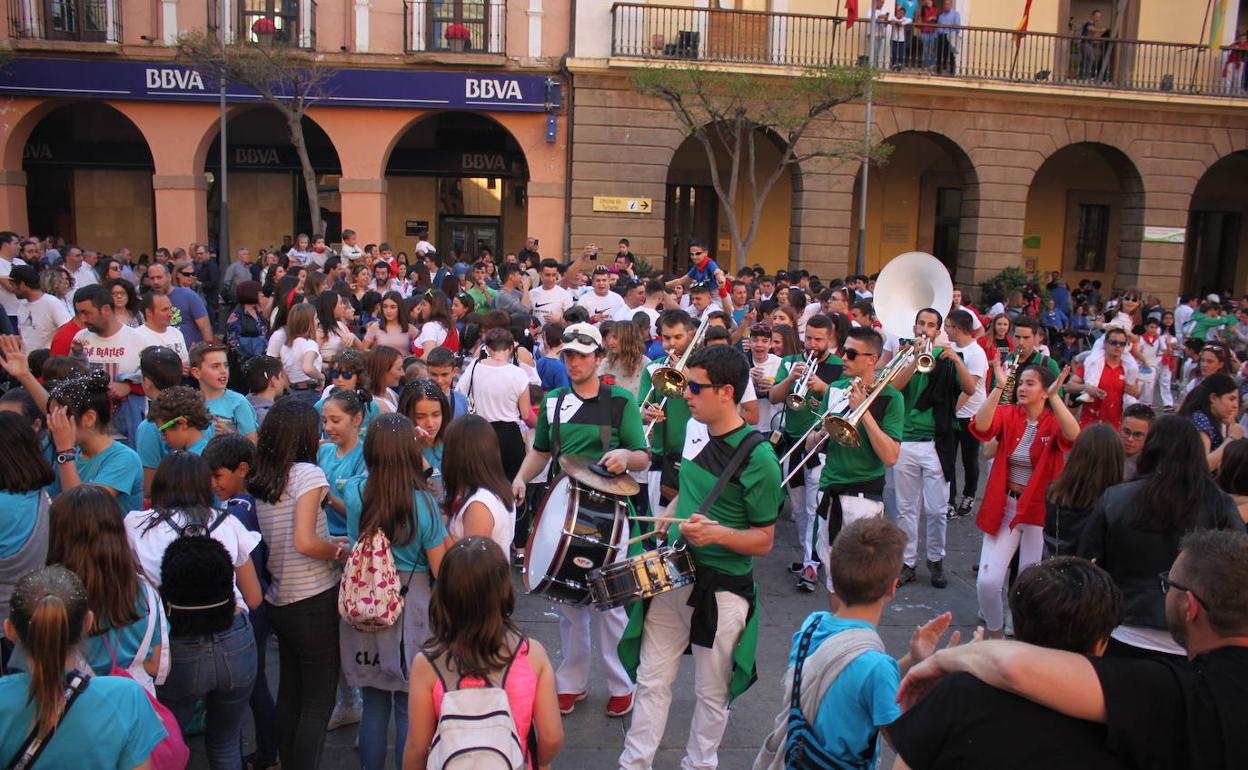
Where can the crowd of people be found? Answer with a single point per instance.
(347, 449)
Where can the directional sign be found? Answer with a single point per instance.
(623, 205)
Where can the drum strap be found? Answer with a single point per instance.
(751, 440)
(604, 423)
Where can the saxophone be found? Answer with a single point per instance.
(1009, 390)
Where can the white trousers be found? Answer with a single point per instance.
(994, 562)
(1165, 386)
(575, 627)
(663, 641)
(853, 508)
(653, 492)
(921, 487)
(803, 501)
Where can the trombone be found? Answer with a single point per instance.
(798, 398)
(669, 381)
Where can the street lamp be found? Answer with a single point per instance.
(223, 211)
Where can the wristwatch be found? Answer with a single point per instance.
(68, 456)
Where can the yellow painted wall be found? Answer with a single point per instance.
(1072, 170)
(1177, 22)
(515, 220)
(411, 197)
(113, 208)
(262, 208)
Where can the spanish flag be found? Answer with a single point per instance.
(851, 13)
(1215, 25)
(1022, 25)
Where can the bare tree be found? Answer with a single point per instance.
(288, 78)
(729, 112)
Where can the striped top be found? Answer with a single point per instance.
(295, 577)
(1020, 458)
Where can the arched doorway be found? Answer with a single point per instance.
(924, 198)
(267, 195)
(461, 176)
(89, 179)
(1216, 235)
(694, 209)
(1085, 214)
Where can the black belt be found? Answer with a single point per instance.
(308, 385)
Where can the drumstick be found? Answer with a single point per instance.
(637, 539)
(658, 519)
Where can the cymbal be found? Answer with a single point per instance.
(587, 471)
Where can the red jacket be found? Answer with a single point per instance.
(1047, 457)
(990, 346)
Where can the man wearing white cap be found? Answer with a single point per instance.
(571, 422)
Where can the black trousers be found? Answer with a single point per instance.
(968, 448)
(307, 645)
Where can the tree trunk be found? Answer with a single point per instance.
(295, 123)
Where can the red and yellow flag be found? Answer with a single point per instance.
(1022, 25)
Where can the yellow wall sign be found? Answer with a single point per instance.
(623, 205)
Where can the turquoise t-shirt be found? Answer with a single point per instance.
(111, 725)
(860, 701)
(152, 447)
(20, 510)
(236, 410)
(430, 531)
(370, 413)
(118, 468)
(337, 471)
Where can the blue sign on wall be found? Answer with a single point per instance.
(163, 81)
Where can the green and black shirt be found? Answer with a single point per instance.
(579, 423)
(854, 465)
(796, 422)
(668, 436)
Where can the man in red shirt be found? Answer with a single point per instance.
(1110, 386)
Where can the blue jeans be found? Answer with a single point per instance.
(374, 723)
(220, 670)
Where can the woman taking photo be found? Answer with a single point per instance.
(1034, 433)
(83, 451)
(437, 330)
(302, 598)
(479, 500)
(1095, 464)
(110, 723)
(391, 329)
(1134, 531)
(392, 498)
(424, 403)
(475, 642)
(1213, 407)
(385, 372)
(498, 390)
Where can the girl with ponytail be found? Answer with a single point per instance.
(98, 722)
(79, 409)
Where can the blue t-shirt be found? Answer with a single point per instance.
(705, 274)
(430, 531)
(234, 408)
(153, 448)
(118, 468)
(459, 403)
(552, 373)
(124, 641)
(370, 413)
(111, 725)
(187, 308)
(861, 700)
(20, 512)
(337, 471)
(243, 508)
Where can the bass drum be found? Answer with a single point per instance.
(577, 529)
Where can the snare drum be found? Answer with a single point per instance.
(576, 529)
(641, 577)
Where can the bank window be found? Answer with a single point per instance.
(1091, 238)
(458, 25)
(76, 19)
(277, 21)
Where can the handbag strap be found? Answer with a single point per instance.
(751, 440)
(28, 753)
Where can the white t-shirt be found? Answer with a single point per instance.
(555, 300)
(85, 275)
(295, 576)
(495, 390)
(976, 361)
(351, 253)
(150, 544)
(292, 359)
(625, 314)
(431, 332)
(332, 343)
(116, 355)
(9, 300)
(601, 305)
(766, 409)
(39, 320)
(277, 341)
(171, 338)
(504, 519)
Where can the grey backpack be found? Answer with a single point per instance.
(476, 730)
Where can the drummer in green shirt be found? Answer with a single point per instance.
(851, 485)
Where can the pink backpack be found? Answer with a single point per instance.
(370, 597)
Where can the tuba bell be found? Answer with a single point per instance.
(907, 284)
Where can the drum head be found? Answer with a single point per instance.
(547, 532)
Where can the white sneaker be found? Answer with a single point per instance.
(344, 714)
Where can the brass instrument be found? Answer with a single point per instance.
(1009, 389)
(925, 361)
(798, 399)
(669, 381)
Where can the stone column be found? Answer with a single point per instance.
(181, 208)
(13, 200)
(364, 208)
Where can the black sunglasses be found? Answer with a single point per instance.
(186, 274)
(696, 387)
(580, 337)
(760, 330)
(849, 354)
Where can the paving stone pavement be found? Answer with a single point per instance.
(593, 741)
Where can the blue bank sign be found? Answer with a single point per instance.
(162, 81)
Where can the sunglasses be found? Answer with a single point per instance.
(186, 274)
(1116, 343)
(696, 387)
(580, 337)
(341, 374)
(762, 330)
(170, 424)
(695, 253)
(849, 354)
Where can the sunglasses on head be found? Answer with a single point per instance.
(580, 337)
(761, 330)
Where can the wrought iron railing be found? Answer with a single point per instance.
(476, 26)
(803, 40)
(265, 22)
(97, 21)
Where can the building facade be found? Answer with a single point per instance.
(438, 115)
(1116, 151)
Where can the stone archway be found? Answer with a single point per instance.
(1216, 242)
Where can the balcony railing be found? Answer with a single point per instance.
(285, 22)
(801, 40)
(455, 26)
(97, 21)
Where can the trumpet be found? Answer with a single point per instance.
(669, 381)
(798, 399)
(925, 360)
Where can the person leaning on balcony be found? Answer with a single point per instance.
(927, 16)
(947, 39)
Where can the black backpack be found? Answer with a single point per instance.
(197, 581)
